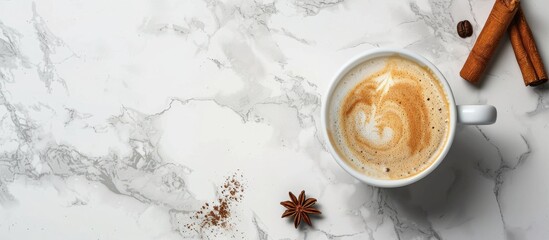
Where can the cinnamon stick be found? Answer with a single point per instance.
(526, 68)
(526, 51)
(496, 25)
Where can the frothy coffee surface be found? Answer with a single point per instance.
(389, 118)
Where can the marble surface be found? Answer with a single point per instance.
(118, 119)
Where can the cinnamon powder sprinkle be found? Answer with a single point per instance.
(217, 214)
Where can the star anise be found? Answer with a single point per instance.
(299, 208)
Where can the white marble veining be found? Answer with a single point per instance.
(120, 118)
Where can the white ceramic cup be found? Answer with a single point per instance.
(459, 114)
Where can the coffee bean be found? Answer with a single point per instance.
(464, 29)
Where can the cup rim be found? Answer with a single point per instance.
(365, 56)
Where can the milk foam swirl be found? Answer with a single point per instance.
(394, 121)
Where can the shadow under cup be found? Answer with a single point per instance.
(335, 94)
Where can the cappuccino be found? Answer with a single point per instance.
(389, 117)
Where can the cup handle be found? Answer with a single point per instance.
(476, 114)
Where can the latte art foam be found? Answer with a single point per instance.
(389, 118)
